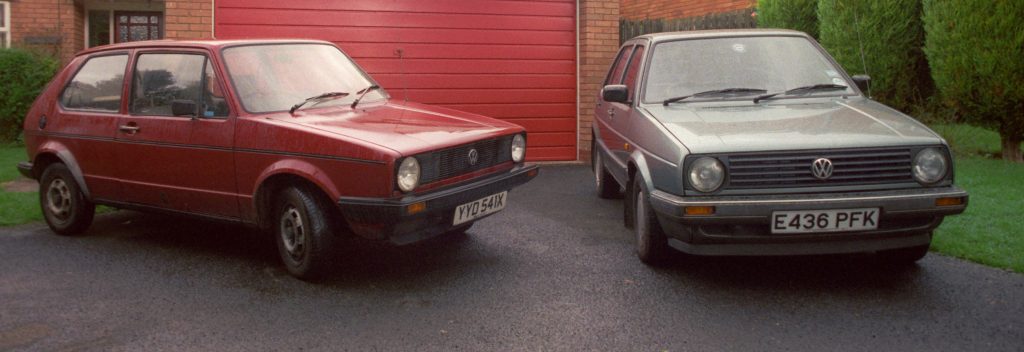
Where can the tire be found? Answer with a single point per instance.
(604, 183)
(651, 242)
(903, 256)
(303, 232)
(65, 208)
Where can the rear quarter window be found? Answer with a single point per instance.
(97, 85)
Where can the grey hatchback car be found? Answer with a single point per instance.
(756, 142)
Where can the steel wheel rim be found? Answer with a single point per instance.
(293, 233)
(58, 199)
(641, 221)
(597, 170)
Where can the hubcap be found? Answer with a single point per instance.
(641, 221)
(58, 197)
(598, 167)
(293, 233)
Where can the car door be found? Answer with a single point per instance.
(89, 107)
(616, 114)
(606, 114)
(177, 138)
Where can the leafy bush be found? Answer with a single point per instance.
(976, 53)
(801, 15)
(892, 37)
(24, 75)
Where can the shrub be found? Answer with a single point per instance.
(801, 15)
(892, 36)
(976, 53)
(24, 75)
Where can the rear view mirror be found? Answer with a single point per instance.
(181, 107)
(615, 93)
(863, 82)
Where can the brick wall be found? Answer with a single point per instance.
(599, 41)
(50, 26)
(188, 19)
(642, 9)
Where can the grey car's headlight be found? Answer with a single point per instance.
(408, 174)
(930, 165)
(518, 148)
(706, 174)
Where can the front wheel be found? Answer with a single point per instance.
(65, 208)
(303, 232)
(651, 242)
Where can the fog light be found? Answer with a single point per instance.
(945, 202)
(415, 208)
(699, 210)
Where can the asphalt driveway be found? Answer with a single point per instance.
(554, 271)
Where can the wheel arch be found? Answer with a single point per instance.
(288, 173)
(54, 152)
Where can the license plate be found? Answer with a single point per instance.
(479, 208)
(816, 221)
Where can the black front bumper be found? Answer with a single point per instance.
(25, 168)
(741, 225)
(389, 219)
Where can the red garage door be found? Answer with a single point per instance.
(513, 60)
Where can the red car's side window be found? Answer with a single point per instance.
(160, 79)
(97, 85)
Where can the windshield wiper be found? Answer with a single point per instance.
(318, 97)
(362, 93)
(713, 92)
(808, 89)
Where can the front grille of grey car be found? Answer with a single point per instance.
(451, 162)
(793, 169)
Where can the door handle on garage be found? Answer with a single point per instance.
(129, 129)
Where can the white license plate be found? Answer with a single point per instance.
(480, 208)
(837, 220)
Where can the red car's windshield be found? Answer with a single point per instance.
(276, 77)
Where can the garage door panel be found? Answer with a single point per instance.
(550, 153)
(458, 66)
(460, 51)
(327, 18)
(491, 96)
(398, 35)
(515, 110)
(516, 81)
(550, 124)
(552, 8)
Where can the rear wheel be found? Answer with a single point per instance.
(303, 232)
(904, 256)
(604, 183)
(651, 243)
(65, 207)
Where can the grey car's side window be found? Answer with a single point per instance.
(97, 85)
(615, 75)
(632, 70)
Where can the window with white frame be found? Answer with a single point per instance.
(5, 24)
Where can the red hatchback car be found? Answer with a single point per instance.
(289, 136)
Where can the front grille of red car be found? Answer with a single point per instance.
(451, 162)
(793, 169)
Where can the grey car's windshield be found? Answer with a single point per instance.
(276, 77)
(769, 63)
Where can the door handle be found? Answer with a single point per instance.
(611, 112)
(129, 129)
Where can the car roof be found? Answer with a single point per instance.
(201, 44)
(718, 33)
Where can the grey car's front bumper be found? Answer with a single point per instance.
(741, 225)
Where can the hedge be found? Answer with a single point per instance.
(976, 52)
(892, 36)
(24, 74)
(801, 15)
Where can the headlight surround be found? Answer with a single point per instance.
(518, 148)
(408, 175)
(706, 174)
(930, 166)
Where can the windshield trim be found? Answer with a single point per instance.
(220, 53)
(654, 44)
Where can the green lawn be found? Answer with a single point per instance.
(16, 208)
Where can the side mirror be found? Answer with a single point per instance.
(863, 82)
(615, 93)
(181, 107)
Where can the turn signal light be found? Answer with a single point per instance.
(415, 208)
(945, 202)
(699, 210)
